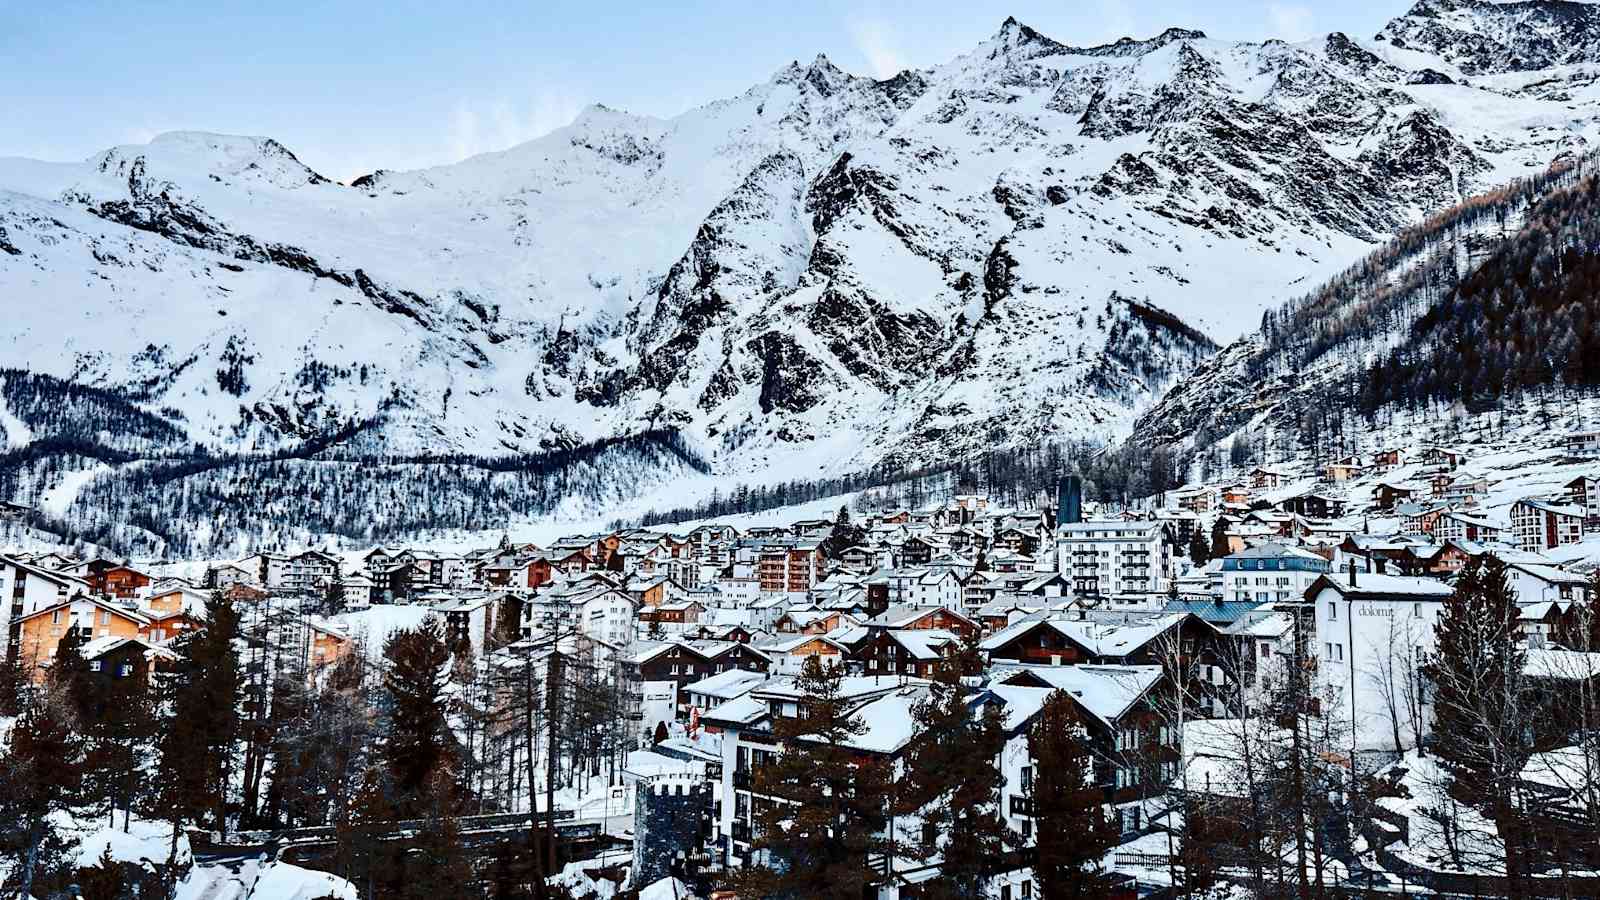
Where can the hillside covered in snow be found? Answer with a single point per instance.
(1028, 243)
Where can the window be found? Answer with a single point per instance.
(94, 665)
(55, 617)
(105, 617)
(1333, 611)
(124, 670)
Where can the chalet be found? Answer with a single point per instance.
(1384, 460)
(396, 584)
(40, 632)
(748, 743)
(1134, 750)
(1465, 489)
(1538, 525)
(674, 616)
(244, 593)
(311, 570)
(469, 622)
(1541, 622)
(788, 654)
(1263, 478)
(358, 591)
(111, 579)
(811, 621)
(228, 574)
(1387, 493)
(859, 557)
(1442, 457)
(1583, 443)
(1122, 639)
(119, 667)
(1536, 583)
(910, 652)
(1345, 469)
(915, 552)
(707, 694)
(923, 617)
(1314, 505)
(1419, 518)
(1583, 493)
(1384, 553)
(1198, 500)
(684, 662)
(326, 643)
(1236, 495)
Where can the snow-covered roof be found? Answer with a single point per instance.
(727, 685)
(1106, 692)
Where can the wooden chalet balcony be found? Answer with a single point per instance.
(1045, 654)
(1021, 806)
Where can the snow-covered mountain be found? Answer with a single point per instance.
(827, 271)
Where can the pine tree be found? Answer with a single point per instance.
(1480, 717)
(1199, 549)
(436, 862)
(198, 743)
(816, 841)
(953, 782)
(1219, 538)
(364, 858)
(41, 774)
(120, 739)
(419, 743)
(1072, 832)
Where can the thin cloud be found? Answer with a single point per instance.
(1291, 22)
(875, 41)
(486, 127)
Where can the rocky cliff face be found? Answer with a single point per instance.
(1032, 241)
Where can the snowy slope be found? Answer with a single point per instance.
(1029, 242)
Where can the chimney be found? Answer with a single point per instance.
(1352, 573)
(1069, 501)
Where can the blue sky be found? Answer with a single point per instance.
(355, 86)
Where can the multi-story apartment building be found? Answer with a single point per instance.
(1104, 559)
(1539, 525)
(24, 590)
(1270, 573)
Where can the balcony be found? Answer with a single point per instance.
(741, 779)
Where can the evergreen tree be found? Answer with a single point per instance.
(1072, 832)
(1219, 538)
(363, 858)
(1480, 717)
(953, 782)
(419, 743)
(41, 774)
(197, 744)
(1199, 549)
(815, 842)
(436, 862)
(120, 739)
(844, 535)
(69, 672)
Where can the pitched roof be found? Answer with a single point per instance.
(1106, 692)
